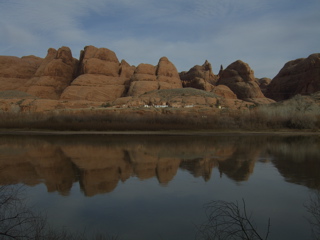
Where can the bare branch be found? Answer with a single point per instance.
(227, 220)
(313, 208)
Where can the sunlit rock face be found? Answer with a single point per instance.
(147, 77)
(239, 77)
(224, 91)
(200, 77)
(98, 79)
(101, 77)
(15, 72)
(53, 75)
(300, 76)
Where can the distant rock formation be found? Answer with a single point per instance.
(239, 77)
(54, 74)
(300, 76)
(15, 72)
(147, 77)
(224, 91)
(263, 84)
(101, 77)
(200, 77)
(98, 78)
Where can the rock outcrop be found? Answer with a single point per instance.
(147, 77)
(224, 91)
(300, 76)
(15, 72)
(200, 77)
(263, 84)
(54, 74)
(101, 76)
(99, 80)
(239, 77)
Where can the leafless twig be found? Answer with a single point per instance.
(228, 220)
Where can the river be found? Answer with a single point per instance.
(158, 186)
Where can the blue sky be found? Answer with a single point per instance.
(264, 33)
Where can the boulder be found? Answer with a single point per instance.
(53, 75)
(239, 77)
(147, 77)
(300, 76)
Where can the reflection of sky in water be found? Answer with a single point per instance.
(146, 210)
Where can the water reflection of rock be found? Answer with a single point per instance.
(240, 164)
(98, 163)
(298, 159)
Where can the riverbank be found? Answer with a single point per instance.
(164, 133)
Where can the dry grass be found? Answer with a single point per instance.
(298, 113)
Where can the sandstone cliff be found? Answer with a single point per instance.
(101, 77)
(147, 77)
(300, 76)
(15, 72)
(200, 77)
(98, 78)
(54, 74)
(239, 77)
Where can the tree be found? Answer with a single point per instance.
(17, 221)
(313, 207)
(229, 220)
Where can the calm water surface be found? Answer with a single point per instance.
(156, 187)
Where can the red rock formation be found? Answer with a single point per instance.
(200, 77)
(102, 77)
(53, 75)
(147, 77)
(224, 91)
(126, 70)
(301, 76)
(239, 77)
(15, 72)
(263, 84)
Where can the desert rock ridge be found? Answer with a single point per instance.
(98, 78)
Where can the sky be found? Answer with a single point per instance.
(263, 33)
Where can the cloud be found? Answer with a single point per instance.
(28, 23)
(264, 33)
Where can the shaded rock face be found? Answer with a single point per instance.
(147, 77)
(101, 76)
(15, 72)
(239, 77)
(200, 77)
(263, 84)
(301, 76)
(54, 74)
